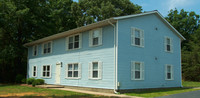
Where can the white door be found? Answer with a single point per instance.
(58, 66)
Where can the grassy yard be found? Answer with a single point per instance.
(166, 91)
(32, 92)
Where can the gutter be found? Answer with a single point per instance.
(115, 57)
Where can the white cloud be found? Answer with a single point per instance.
(179, 3)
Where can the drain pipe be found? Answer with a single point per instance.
(115, 57)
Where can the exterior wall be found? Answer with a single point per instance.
(153, 48)
(84, 55)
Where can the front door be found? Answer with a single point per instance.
(58, 66)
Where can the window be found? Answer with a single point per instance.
(73, 71)
(46, 71)
(47, 48)
(95, 37)
(73, 42)
(168, 44)
(137, 70)
(169, 72)
(137, 37)
(35, 50)
(95, 70)
(34, 70)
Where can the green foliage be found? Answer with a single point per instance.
(37, 82)
(90, 11)
(30, 80)
(19, 78)
(23, 80)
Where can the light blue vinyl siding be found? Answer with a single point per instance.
(153, 49)
(84, 55)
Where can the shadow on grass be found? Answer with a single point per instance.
(158, 90)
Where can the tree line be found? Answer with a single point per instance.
(23, 21)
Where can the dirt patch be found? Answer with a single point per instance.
(26, 85)
(22, 94)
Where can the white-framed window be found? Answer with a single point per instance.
(168, 44)
(46, 71)
(137, 70)
(169, 72)
(73, 42)
(47, 47)
(34, 71)
(73, 71)
(35, 50)
(95, 37)
(137, 37)
(95, 70)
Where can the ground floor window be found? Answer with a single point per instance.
(137, 70)
(34, 74)
(95, 70)
(73, 70)
(169, 72)
(46, 71)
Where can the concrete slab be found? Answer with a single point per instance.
(50, 86)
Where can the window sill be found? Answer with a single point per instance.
(46, 77)
(169, 79)
(168, 51)
(73, 49)
(138, 46)
(95, 79)
(95, 45)
(138, 79)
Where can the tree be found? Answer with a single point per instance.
(90, 11)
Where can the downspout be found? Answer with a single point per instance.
(115, 58)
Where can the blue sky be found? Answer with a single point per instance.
(163, 6)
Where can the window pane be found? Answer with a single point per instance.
(44, 74)
(49, 50)
(137, 33)
(96, 33)
(34, 68)
(137, 66)
(95, 74)
(77, 38)
(34, 73)
(168, 41)
(69, 73)
(44, 68)
(95, 41)
(45, 51)
(75, 66)
(137, 41)
(70, 39)
(168, 69)
(168, 75)
(48, 74)
(70, 46)
(35, 52)
(76, 45)
(168, 47)
(75, 73)
(48, 68)
(70, 67)
(95, 66)
(137, 74)
(49, 45)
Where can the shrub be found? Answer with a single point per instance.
(23, 80)
(37, 82)
(30, 80)
(19, 78)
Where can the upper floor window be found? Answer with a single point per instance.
(47, 47)
(95, 37)
(46, 71)
(168, 44)
(35, 50)
(73, 71)
(137, 70)
(95, 70)
(169, 72)
(34, 71)
(73, 42)
(137, 37)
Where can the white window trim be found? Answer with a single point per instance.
(91, 38)
(172, 72)
(80, 42)
(49, 71)
(33, 50)
(142, 68)
(171, 44)
(100, 70)
(79, 71)
(35, 71)
(43, 47)
(133, 37)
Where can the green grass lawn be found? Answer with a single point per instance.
(166, 91)
(23, 91)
